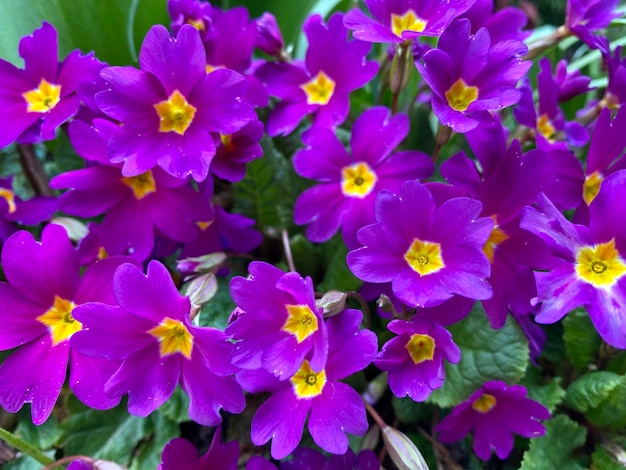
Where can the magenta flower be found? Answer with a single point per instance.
(349, 184)
(548, 120)
(494, 412)
(323, 83)
(269, 39)
(415, 357)
(279, 324)
(234, 150)
(428, 257)
(583, 17)
(333, 408)
(179, 453)
(396, 21)
(37, 317)
(170, 107)
(38, 99)
(193, 12)
(589, 263)
(134, 206)
(503, 24)
(469, 75)
(151, 333)
(304, 458)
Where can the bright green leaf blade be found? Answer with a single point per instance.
(108, 435)
(149, 453)
(216, 312)
(591, 389)
(42, 437)
(553, 450)
(549, 394)
(580, 337)
(486, 354)
(612, 410)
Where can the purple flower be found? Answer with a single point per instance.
(349, 184)
(548, 120)
(37, 317)
(304, 458)
(38, 99)
(323, 83)
(333, 408)
(170, 107)
(281, 324)
(193, 12)
(494, 412)
(589, 267)
(179, 453)
(396, 21)
(570, 84)
(269, 39)
(428, 257)
(235, 150)
(469, 75)
(415, 357)
(151, 333)
(506, 23)
(134, 206)
(582, 17)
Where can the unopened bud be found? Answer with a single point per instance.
(201, 289)
(333, 302)
(268, 38)
(376, 389)
(75, 229)
(402, 451)
(401, 68)
(384, 304)
(201, 264)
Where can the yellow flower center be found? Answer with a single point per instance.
(210, 68)
(461, 95)
(175, 113)
(496, 237)
(306, 382)
(204, 224)
(301, 322)
(484, 403)
(407, 22)
(142, 184)
(600, 265)
(197, 23)
(545, 127)
(174, 338)
(227, 142)
(60, 321)
(424, 257)
(9, 197)
(358, 180)
(319, 90)
(421, 348)
(43, 98)
(591, 186)
(102, 253)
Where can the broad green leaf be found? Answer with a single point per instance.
(109, 435)
(304, 255)
(216, 312)
(548, 392)
(42, 437)
(554, 449)
(409, 411)
(149, 453)
(580, 337)
(266, 193)
(591, 389)
(609, 457)
(338, 276)
(486, 354)
(25, 462)
(176, 408)
(612, 410)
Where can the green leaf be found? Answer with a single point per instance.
(266, 194)
(304, 255)
(42, 437)
(338, 276)
(88, 25)
(409, 411)
(176, 408)
(109, 435)
(549, 393)
(581, 339)
(554, 449)
(25, 462)
(149, 453)
(486, 354)
(612, 410)
(216, 312)
(591, 389)
(603, 459)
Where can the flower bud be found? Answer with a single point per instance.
(201, 264)
(75, 229)
(201, 289)
(402, 451)
(401, 68)
(333, 302)
(268, 38)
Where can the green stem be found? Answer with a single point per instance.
(24, 447)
